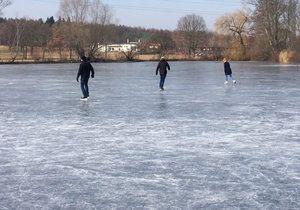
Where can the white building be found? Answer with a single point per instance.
(129, 46)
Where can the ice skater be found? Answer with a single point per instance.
(162, 66)
(228, 72)
(84, 72)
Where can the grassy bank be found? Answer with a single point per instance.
(41, 55)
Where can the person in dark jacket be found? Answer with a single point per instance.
(84, 72)
(227, 71)
(162, 67)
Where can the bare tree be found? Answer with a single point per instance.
(276, 22)
(87, 23)
(101, 16)
(130, 54)
(14, 46)
(57, 39)
(237, 24)
(298, 19)
(100, 13)
(3, 4)
(192, 29)
(164, 40)
(75, 10)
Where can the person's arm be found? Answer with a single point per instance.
(79, 72)
(92, 70)
(157, 68)
(168, 66)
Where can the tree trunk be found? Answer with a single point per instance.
(43, 54)
(70, 54)
(244, 49)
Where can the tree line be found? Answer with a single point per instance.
(260, 31)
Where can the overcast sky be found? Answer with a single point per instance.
(159, 14)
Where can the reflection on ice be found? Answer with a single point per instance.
(197, 145)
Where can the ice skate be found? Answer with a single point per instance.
(226, 82)
(83, 98)
(234, 82)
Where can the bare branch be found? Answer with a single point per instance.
(3, 4)
(75, 10)
(192, 28)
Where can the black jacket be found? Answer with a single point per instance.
(85, 70)
(227, 68)
(162, 67)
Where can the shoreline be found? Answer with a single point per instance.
(135, 61)
(24, 62)
(96, 61)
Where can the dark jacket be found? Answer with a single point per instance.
(162, 67)
(227, 68)
(85, 70)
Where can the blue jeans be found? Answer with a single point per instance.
(162, 81)
(84, 87)
(227, 77)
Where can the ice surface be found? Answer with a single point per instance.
(198, 145)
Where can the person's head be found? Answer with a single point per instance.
(224, 60)
(162, 58)
(83, 58)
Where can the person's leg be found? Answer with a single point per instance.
(82, 86)
(87, 88)
(233, 80)
(226, 79)
(162, 81)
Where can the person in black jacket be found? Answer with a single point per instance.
(228, 72)
(84, 72)
(162, 68)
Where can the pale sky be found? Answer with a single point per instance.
(159, 14)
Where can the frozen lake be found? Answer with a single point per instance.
(198, 145)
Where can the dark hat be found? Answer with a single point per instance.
(83, 58)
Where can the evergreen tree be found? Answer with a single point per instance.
(50, 21)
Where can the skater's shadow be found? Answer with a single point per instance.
(163, 107)
(84, 109)
(163, 103)
(229, 89)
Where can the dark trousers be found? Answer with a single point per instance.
(84, 87)
(162, 81)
